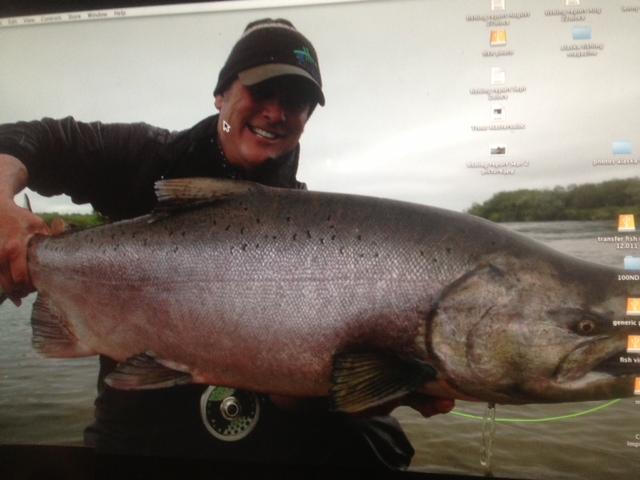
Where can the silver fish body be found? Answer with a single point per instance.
(313, 294)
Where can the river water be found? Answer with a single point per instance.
(50, 401)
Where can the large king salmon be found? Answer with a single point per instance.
(317, 294)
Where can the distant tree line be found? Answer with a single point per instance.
(74, 220)
(590, 201)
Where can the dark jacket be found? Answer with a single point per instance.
(114, 167)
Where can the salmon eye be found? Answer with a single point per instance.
(585, 327)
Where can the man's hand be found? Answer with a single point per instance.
(17, 226)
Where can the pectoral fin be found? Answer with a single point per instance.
(143, 372)
(365, 380)
(53, 335)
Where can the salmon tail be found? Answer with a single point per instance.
(52, 333)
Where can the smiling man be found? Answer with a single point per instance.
(266, 92)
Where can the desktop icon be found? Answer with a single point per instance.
(633, 306)
(498, 76)
(633, 344)
(581, 32)
(626, 223)
(497, 112)
(631, 262)
(500, 149)
(497, 5)
(621, 147)
(498, 38)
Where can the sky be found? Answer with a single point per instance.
(398, 78)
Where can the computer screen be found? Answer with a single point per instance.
(518, 111)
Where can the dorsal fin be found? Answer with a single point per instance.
(187, 193)
(179, 191)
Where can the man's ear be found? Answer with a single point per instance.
(218, 101)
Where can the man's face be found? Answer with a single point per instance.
(262, 121)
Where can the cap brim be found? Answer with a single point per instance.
(255, 75)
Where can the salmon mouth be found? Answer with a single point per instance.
(600, 357)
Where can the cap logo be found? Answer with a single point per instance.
(304, 56)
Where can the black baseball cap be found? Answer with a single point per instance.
(271, 48)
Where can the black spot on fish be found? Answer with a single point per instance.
(308, 234)
(214, 222)
(333, 237)
(232, 249)
(376, 255)
(359, 237)
(448, 249)
(244, 247)
(332, 226)
(242, 231)
(361, 255)
(175, 249)
(184, 233)
(288, 219)
(258, 220)
(329, 218)
(228, 227)
(341, 251)
(274, 237)
(435, 260)
(295, 236)
(421, 253)
(257, 246)
(322, 241)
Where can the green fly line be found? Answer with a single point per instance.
(541, 420)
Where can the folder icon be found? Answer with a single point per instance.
(633, 306)
(631, 262)
(633, 344)
(580, 32)
(636, 390)
(621, 147)
(498, 38)
(626, 223)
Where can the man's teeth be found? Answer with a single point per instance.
(263, 133)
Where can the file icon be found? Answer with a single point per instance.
(497, 5)
(497, 112)
(626, 223)
(498, 149)
(621, 147)
(581, 32)
(631, 262)
(498, 38)
(498, 76)
(633, 306)
(633, 344)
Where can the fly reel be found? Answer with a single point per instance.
(229, 414)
